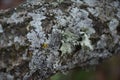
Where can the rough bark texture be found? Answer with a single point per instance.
(41, 37)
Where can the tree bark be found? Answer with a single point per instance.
(39, 38)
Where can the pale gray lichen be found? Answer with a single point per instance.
(91, 2)
(36, 22)
(20, 40)
(86, 41)
(67, 31)
(16, 18)
(77, 1)
(36, 36)
(1, 29)
(70, 40)
(94, 11)
(118, 14)
(76, 24)
(115, 4)
(102, 42)
(113, 24)
(35, 2)
(60, 1)
(78, 31)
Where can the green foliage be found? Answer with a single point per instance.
(77, 74)
(58, 76)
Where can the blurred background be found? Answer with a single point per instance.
(4, 4)
(109, 69)
(76, 74)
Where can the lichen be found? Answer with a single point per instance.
(60, 37)
(73, 26)
(70, 40)
(16, 18)
(1, 29)
(113, 24)
(36, 36)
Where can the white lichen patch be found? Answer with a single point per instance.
(37, 36)
(36, 22)
(87, 30)
(94, 11)
(113, 24)
(86, 41)
(66, 48)
(69, 41)
(77, 1)
(102, 43)
(19, 40)
(91, 2)
(60, 1)
(35, 2)
(16, 18)
(118, 14)
(115, 4)
(1, 29)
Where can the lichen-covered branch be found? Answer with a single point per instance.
(47, 36)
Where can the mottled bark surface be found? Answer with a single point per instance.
(39, 38)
